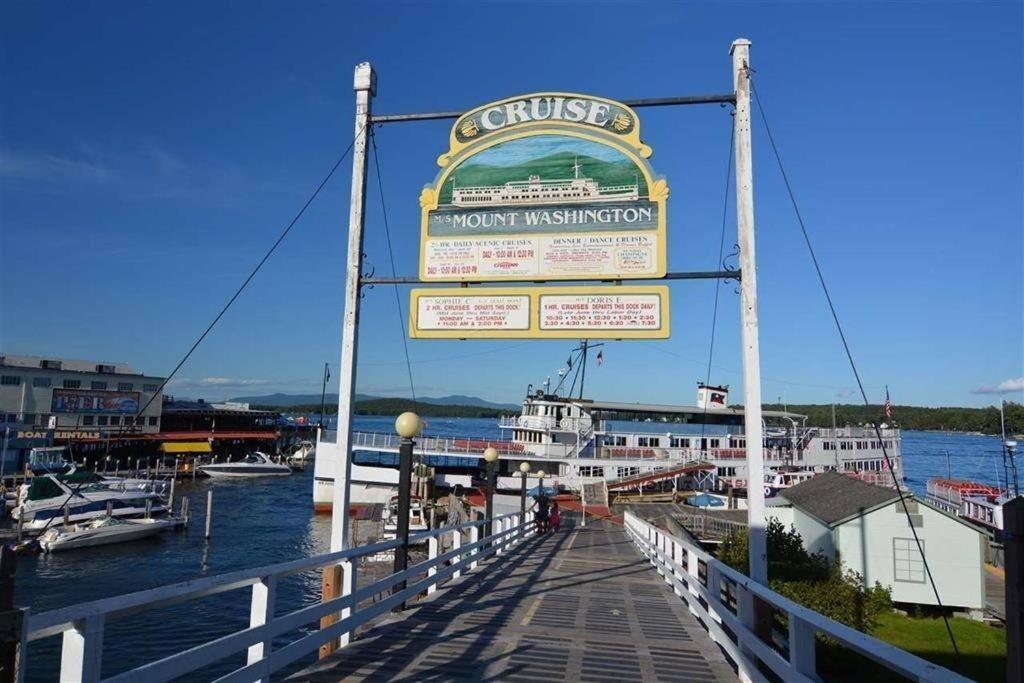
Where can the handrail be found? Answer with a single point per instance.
(83, 625)
(679, 560)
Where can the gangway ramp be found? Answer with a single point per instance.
(579, 605)
(638, 480)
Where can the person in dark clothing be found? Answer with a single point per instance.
(542, 514)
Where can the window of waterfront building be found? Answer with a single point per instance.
(72, 384)
(125, 386)
(88, 420)
(10, 380)
(115, 420)
(41, 382)
(101, 386)
(101, 420)
(8, 417)
(907, 563)
(153, 419)
(151, 387)
(28, 418)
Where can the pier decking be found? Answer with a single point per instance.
(582, 605)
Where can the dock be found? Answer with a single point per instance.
(579, 605)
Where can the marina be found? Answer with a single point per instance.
(211, 518)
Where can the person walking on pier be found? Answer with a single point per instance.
(542, 513)
(556, 517)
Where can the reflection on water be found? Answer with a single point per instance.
(264, 521)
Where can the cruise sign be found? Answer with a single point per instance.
(543, 187)
(550, 186)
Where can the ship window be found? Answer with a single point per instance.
(649, 441)
(591, 471)
(679, 442)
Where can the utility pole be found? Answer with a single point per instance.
(365, 86)
(748, 313)
(583, 370)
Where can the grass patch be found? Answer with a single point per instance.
(982, 649)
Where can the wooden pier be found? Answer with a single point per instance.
(579, 605)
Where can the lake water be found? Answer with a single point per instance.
(264, 521)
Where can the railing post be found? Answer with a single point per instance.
(456, 544)
(801, 647)
(261, 611)
(517, 536)
(349, 578)
(431, 554)
(81, 654)
(677, 561)
(498, 532)
(474, 536)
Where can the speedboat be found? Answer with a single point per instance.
(303, 451)
(255, 464)
(102, 531)
(85, 496)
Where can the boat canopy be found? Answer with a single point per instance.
(43, 488)
(186, 447)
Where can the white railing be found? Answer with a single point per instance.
(82, 626)
(732, 628)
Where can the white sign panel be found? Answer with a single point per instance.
(592, 311)
(473, 313)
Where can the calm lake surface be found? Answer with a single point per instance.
(265, 521)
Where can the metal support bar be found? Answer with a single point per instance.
(726, 98)
(684, 275)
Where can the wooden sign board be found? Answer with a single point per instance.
(551, 186)
(609, 312)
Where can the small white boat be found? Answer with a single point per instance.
(417, 518)
(255, 464)
(303, 451)
(101, 532)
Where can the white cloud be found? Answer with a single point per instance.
(218, 382)
(1005, 387)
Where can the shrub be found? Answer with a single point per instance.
(809, 579)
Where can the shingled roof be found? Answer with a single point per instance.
(832, 497)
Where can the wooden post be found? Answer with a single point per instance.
(149, 508)
(365, 86)
(748, 313)
(184, 510)
(67, 516)
(330, 588)
(209, 512)
(21, 523)
(8, 645)
(170, 497)
(1013, 544)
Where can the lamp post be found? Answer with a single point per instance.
(407, 425)
(490, 458)
(524, 468)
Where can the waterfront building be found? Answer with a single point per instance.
(866, 526)
(47, 401)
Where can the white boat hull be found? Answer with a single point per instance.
(243, 474)
(129, 530)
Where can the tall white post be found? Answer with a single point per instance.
(748, 313)
(365, 86)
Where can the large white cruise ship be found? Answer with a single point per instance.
(580, 442)
(534, 191)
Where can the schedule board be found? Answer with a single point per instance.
(599, 312)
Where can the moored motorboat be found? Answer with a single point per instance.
(303, 451)
(103, 531)
(80, 496)
(255, 464)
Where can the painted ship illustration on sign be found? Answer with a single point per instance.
(535, 191)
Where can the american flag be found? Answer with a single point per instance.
(888, 405)
(600, 357)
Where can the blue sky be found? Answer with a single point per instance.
(151, 152)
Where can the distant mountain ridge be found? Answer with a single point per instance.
(287, 400)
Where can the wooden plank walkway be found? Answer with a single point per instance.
(579, 605)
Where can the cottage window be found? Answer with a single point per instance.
(908, 566)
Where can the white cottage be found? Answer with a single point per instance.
(867, 527)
